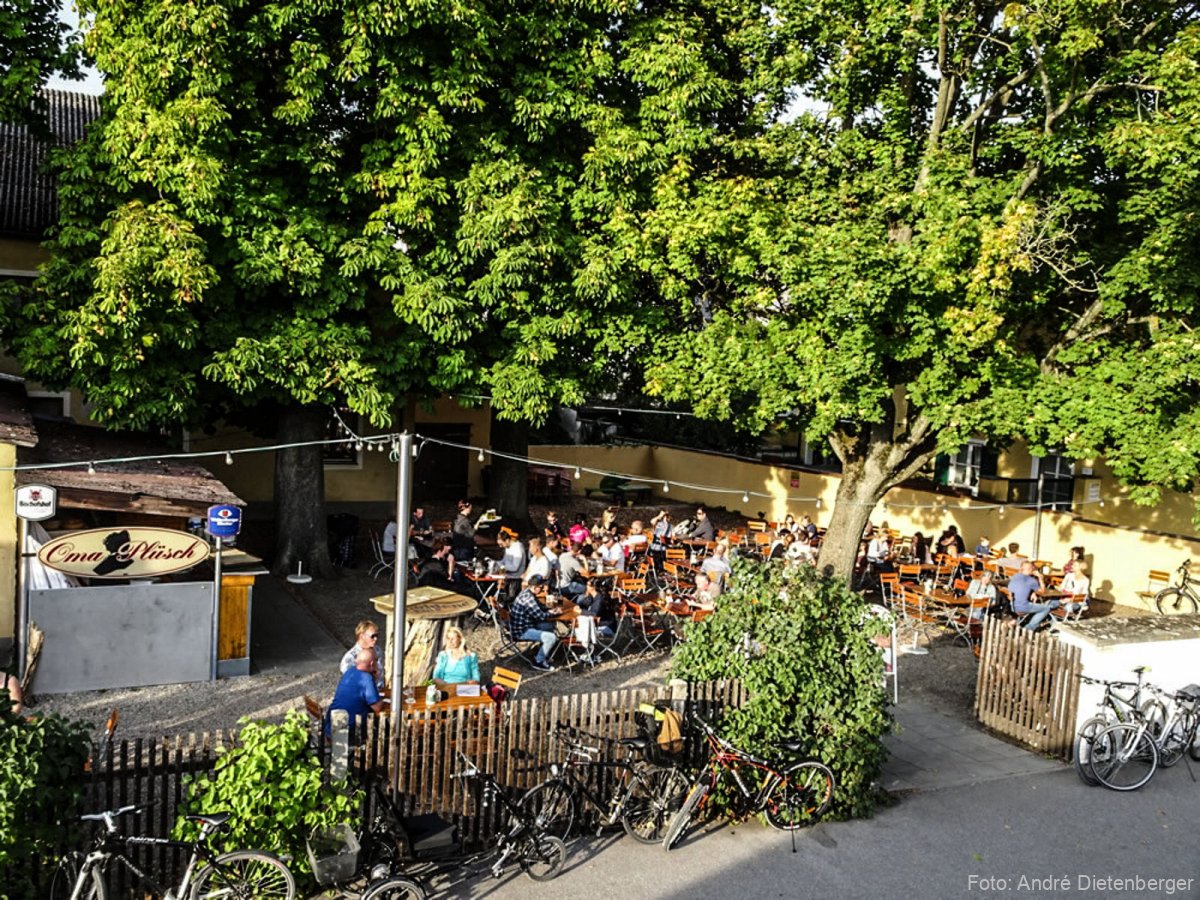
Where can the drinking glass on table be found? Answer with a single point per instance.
(410, 696)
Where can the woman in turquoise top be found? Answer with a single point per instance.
(455, 665)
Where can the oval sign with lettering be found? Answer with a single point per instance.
(123, 552)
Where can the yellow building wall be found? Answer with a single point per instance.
(8, 542)
(1120, 553)
(21, 256)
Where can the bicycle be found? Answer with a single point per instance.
(1125, 756)
(792, 793)
(241, 874)
(643, 803)
(1113, 708)
(1179, 598)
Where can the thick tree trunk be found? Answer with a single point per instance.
(300, 533)
(509, 481)
(874, 457)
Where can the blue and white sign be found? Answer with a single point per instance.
(224, 520)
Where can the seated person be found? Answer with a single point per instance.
(779, 547)
(552, 549)
(979, 588)
(611, 553)
(702, 528)
(918, 550)
(717, 567)
(579, 533)
(1076, 581)
(571, 582)
(388, 543)
(1023, 586)
(706, 593)
(636, 541)
(357, 692)
(366, 637)
(1077, 555)
(1011, 560)
(456, 664)
(879, 552)
(596, 603)
(554, 528)
(984, 548)
(512, 564)
(951, 542)
(437, 570)
(809, 530)
(538, 563)
(529, 620)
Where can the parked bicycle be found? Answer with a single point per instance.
(1122, 702)
(643, 802)
(1180, 597)
(236, 875)
(1126, 755)
(790, 792)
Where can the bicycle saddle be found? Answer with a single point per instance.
(637, 743)
(215, 821)
(791, 745)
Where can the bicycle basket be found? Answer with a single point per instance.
(662, 749)
(333, 853)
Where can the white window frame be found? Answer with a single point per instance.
(964, 473)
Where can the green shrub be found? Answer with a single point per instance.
(272, 786)
(41, 781)
(801, 645)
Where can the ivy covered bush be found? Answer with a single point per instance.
(42, 764)
(272, 785)
(801, 644)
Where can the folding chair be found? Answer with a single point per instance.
(382, 564)
(889, 587)
(1155, 582)
(507, 679)
(916, 616)
(647, 629)
(909, 572)
(967, 621)
(508, 646)
(1065, 615)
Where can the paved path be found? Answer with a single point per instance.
(285, 638)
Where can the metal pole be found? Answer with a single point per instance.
(216, 610)
(1037, 521)
(404, 478)
(23, 597)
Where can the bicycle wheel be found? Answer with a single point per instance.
(63, 883)
(1174, 602)
(1123, 757)
(542, 856)
(653, 799)
(802, 793)
(1173, 744)
(679, 821)
(1083, 748)
(551, 804)
(245, 874)
(394, 887)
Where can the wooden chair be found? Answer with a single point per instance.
(915, 613)
(315, 710)
(647, 629)
(960, 586)
(443, 526)
(508, 647)
(1155, 582)
(507, 679)
(382, 564)
(967, 621)
(1065, 615)
(889, 587)
(756, 525)
(676, 554)
(911, 572)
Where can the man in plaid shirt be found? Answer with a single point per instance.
(528, 620)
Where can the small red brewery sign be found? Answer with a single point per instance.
(123, 552)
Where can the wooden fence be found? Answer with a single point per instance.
(514, 743)
(1028, 687)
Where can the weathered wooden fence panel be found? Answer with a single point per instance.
(1028, 687)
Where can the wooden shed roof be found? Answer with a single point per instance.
(165, 487)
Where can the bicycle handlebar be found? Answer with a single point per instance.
(109, 816)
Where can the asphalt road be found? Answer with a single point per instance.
(1043, 835)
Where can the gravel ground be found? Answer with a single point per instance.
(308, 665)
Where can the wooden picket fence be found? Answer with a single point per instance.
(514, 742)
(1028, 687)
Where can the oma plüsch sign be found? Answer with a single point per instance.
(35, 502)
(123, 552)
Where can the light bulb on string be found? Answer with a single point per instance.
(818, 503)
(745, 496)
(480, 457)
(578, 474)
(228, 458)
(358, 446)
(666, 487)
(91, 468)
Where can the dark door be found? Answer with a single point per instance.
(441, 471)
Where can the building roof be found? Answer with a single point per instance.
(16, 423)
(28, 202)
(162, 487)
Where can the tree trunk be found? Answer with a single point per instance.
(300, 533)
(874, 457)
(510, 478)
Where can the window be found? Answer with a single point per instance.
(344, 455)
(1057, 475)
(49, 404)
(963, 468)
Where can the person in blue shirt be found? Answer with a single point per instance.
(456, 664)
(356, 692)
(1023, 586)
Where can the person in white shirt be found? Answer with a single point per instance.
(538, 563)
(366, 634)
(981, 588)
(611, 553)
(716, 567)
(636, 540)
(706, 593)
(512, 563)
(389, 542)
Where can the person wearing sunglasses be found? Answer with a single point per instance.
(366, 634)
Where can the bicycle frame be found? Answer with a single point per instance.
(581, 756)
(725, 757)
(110, 846)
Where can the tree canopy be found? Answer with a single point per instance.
(954, 219)
(34, 44)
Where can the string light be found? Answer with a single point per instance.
(666, 487)
(228, 459)
(578, 474)
(480, 457)
(745, 496)
(91, 468)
